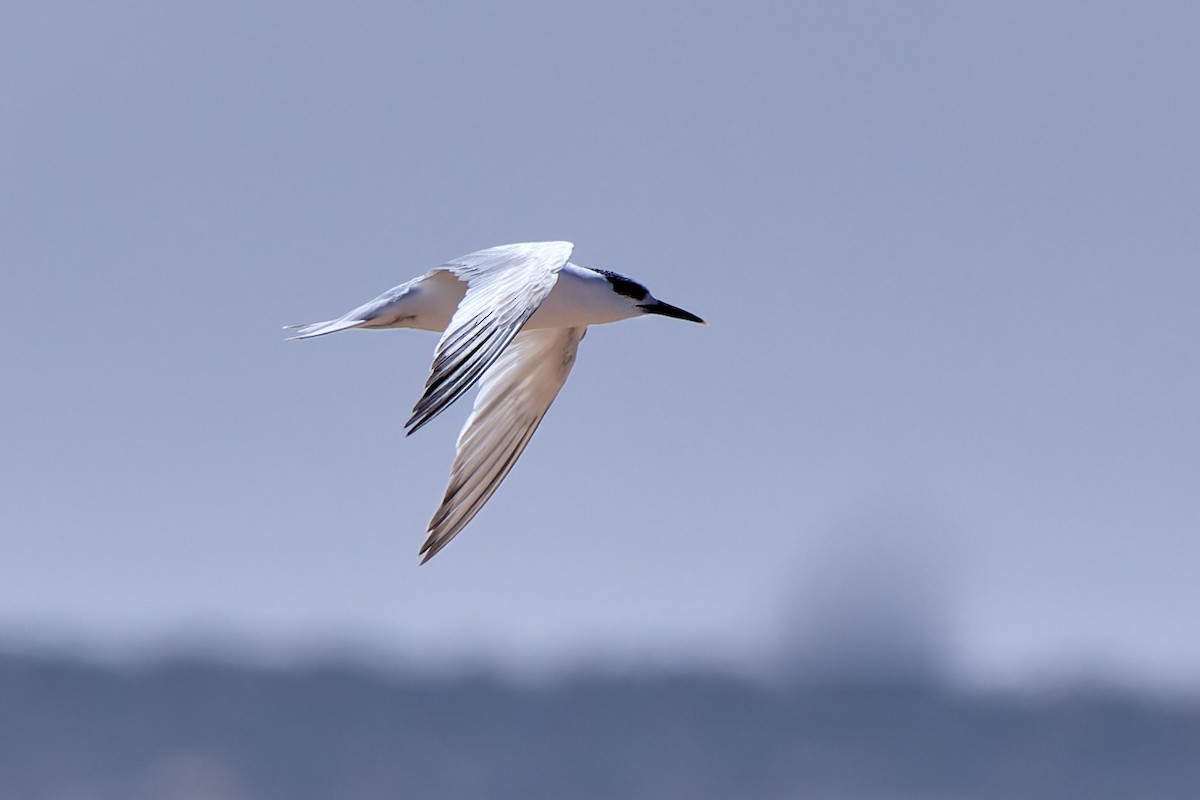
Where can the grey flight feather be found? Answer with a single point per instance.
(505, 286)
(515, 393)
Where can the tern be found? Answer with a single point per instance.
(511, 319)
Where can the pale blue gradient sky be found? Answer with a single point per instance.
(949, 253)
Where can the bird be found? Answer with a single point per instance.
(511, 319)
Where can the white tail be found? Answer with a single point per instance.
(321, 328)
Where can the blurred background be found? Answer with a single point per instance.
(915, 516)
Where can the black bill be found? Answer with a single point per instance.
(668, 310)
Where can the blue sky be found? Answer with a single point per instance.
(948, 253)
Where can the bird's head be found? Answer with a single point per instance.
(640, 298)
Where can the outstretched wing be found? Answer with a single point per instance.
(513, 398)
(505, 286)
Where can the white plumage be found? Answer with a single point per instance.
(512, 318)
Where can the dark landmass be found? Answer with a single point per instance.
(194, 729)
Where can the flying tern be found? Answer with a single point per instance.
(511, 319)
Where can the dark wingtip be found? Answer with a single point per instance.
(413, 425)
(429, 549)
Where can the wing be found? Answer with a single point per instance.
(505, 286)
(515, 394)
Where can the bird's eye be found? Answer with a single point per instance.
(624, 286)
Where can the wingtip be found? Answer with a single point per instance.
(415, 423)
(429, 550)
